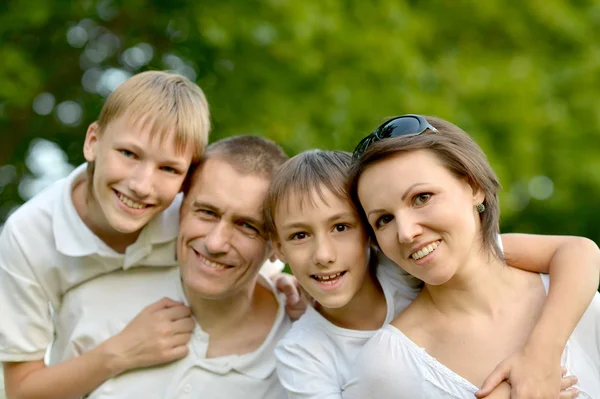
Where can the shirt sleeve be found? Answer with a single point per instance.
(269, 268)
(26, 327)
(303, 375)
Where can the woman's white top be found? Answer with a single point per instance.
(315, 358)
(392, 366)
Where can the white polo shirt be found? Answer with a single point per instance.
(46, 249)
(246, 376)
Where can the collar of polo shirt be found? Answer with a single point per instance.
(74, 238)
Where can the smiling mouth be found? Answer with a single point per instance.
(210, 263)
(129, 202)
(423, 252)
(328, 279)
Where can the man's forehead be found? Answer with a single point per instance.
(220, 187)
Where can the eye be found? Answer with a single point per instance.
(169, 169)
(301, 235)
(206, 214)
(341, 227)
(127, 153)
(421, 199)
(383, 220)
(249, 227)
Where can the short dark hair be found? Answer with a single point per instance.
(307, 173)
(249, 155)
(459, 153)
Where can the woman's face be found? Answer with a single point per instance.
(423, 216)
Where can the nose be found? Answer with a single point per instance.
(140, 180)
(218, 240)
(324, 253)
(408, 228)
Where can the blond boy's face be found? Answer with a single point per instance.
(136, 176)
(325, 244)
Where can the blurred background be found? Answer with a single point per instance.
(523, 80)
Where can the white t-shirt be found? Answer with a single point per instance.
(46, 249)
(391, 366)
(315, 358)
(89, 320)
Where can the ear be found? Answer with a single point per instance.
(478, 196)
(278, 252)
(91, 140)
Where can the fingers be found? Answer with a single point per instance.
(492, 381)
(567, 382)
(184, 325)
(289, 286)
(176, 353)
(176, 312)
(163, 303)
(569, 393)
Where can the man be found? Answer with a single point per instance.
(221, 247)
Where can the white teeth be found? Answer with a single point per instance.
(212, 264)
(130, 203)
(425, 251)
(325, 279)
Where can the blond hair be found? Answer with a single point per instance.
(167, 103)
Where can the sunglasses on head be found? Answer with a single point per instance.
(404, 125)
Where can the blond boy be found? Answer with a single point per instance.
(121, 213)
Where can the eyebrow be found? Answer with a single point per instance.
(409, 189)
(412, 186)
(331, 219)
(201, 204)
(177, 163)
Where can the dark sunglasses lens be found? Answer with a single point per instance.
(404, 126)
(361, 147)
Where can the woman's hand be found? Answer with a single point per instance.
(531, 374)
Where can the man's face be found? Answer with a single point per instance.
(222, 243)
(136, 176)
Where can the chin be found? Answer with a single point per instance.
(334, 303)
(127, 228)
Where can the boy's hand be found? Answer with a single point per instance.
(158, 334)
(296, 302)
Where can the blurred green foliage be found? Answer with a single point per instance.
(523, 79)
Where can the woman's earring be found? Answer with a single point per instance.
(480, 208)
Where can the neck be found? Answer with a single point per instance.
(223, 314)
(365, 311)
(91, 214)
(479, 286)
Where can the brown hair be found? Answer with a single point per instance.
(459, 153)
(306, 173)
(250, 155)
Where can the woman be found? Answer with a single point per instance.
(438, 218)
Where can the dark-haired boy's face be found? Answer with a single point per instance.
(424, 217)
(325, 244)
(135, 175)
